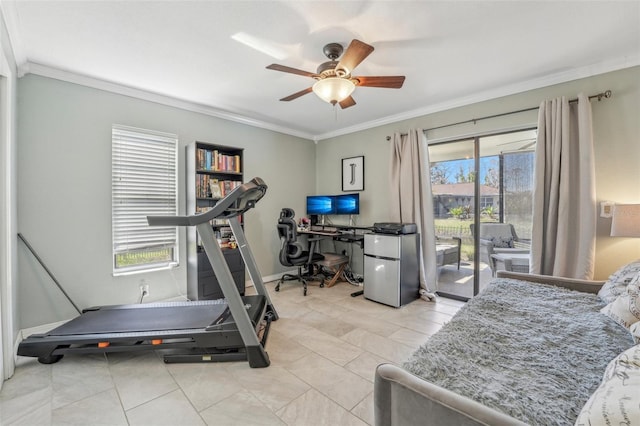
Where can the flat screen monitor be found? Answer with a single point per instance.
(348, 204)
(321, 204)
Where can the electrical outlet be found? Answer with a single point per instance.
(144, 289)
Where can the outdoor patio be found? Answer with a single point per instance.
(460, 282)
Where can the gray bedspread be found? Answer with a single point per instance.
(533, 351)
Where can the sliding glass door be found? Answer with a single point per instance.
(482, 204)
(453, 170)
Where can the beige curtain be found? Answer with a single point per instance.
(564, 212)
(412, 200)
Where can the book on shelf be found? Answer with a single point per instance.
(209, 187)
(214, 187)
(223, 234)
(213, 160)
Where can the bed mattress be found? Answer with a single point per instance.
(535, 352)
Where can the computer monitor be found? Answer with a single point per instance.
(321, 204)
(348, 204)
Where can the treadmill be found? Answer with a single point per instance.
(231, 329)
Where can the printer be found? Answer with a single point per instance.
(395, 228)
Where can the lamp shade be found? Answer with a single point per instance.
(333, 89)
(626, 220)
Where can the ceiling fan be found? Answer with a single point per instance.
(335, 83)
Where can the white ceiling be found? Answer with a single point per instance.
(452, 53)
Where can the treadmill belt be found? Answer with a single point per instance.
(142, 320)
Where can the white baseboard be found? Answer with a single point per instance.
(15, 349)
(179, 298)
(274, 277)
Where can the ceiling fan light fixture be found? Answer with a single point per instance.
(333, 89)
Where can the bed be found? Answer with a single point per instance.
(528, 350)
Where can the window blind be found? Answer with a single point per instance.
(144, 182)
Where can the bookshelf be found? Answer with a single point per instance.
(212, 172)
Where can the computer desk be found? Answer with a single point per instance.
(343, 233)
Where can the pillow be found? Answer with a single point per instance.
(625, 310)
(615, 402)
(502, 242)
(618, 281)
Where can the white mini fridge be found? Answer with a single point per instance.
(391, 268)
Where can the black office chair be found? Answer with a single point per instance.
(292, 252)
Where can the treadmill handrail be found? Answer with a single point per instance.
(238, 201)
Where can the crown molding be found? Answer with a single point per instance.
(537, 83)
(83, 80)
(11, 20)
(512, 89)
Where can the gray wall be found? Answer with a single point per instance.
(64, 187)
(617, 150)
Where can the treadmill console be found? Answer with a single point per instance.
(237, 202)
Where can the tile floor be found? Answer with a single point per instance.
(459, 282)
(323, 351)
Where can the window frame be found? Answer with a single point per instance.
(136, 155)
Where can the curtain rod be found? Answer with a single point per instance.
(606, 94)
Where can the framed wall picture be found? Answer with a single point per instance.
(353, 174)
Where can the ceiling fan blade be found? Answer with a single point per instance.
(297, 94)
(390, 81)
(290, 70)
(356, 52)
(346, 103)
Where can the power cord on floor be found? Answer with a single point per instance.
(352, 277)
